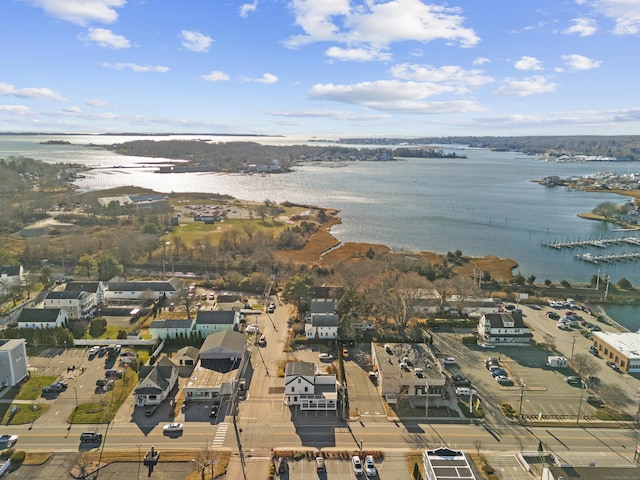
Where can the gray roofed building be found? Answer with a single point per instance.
(171, 327)
(309, 390)
(590, 473)
(42, 318)
(504, 328)
(83, 286)
(65, 295)
(322, 326)
(224, 345)
(156, 382)
(187, 356)
(212, 321)
(13, 361)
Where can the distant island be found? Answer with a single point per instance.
(425, 152)
(55, 142)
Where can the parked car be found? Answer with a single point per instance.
(491, 361)
(449, 361)
(325, 357)
(505, 381)
(465, 392)
(173, 428)
(271, 308)
(369, 466)
(357, 465)
(613, 365)
(7, 440)
(553, 315)
(53, 388)
(487, 345)
(94, 350)
(497, 372)
(593, 351)
(573, 380)
(595, 401)
(214, 411)
(320, 466)
(112, 372)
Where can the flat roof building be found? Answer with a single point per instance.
(447, 464)
(621, 348)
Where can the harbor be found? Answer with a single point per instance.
(601, 243)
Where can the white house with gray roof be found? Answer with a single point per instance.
(307, 389)
(323, 326)
(10, 275)
(172, 328)
(42, 318)
(156, 381)
(77, 304)
(127, 292)
(213, 321)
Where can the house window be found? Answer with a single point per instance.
(299, 381)
(306, 389)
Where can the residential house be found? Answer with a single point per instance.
(172, 328)
(430, 302)
(96, 288)
(10, 275)
(306, 388)
(504, 328)
(128, 292)
(13, 361)
(223, 358)
(156, 381)
(409, 371)
(78, 304)
(322, 326)
(320, 306)
(212, 321)
(186, 357)
(42, 318)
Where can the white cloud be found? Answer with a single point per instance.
(357, 54)
(106, 38)
(393, 95)
(378, 24)
(81, 12)
(584, 27)
(267, 78)
(625, 14)
(580, 62)
(16, 110)
(30, 92)
(95, 102)
(528, 63)
(137, 68)
(215, 76)
(449, 74)
(525, 87)
(481, 61)
(247, 8)
(335, 114)
(196, 41)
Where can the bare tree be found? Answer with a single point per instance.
(186, 299)
(584, 364)
(614, 396)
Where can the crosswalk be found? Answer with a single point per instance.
(221, 434)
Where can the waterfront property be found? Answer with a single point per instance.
(621, 348)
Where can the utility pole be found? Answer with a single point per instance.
(524, 385)
(572, 347)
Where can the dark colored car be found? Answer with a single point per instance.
(460, 380)
(595, 401)
(53, 388)
(91, 437)
(283, 466)
(214, 411)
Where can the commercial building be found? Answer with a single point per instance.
(306, 388)
(447, 464)
(409, 372)
(621, 348)
(13, 361)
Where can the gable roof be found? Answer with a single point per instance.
(82, 286)
(323, 306)
(497, 320)
(188, 351)
(227, 339)
(39, 315)
(10, 270)
(325, 320)
(228, 298)
(215, 317)
(306, 369)
(65, 295)
(141, 286)
(172, 323)
(160, 373)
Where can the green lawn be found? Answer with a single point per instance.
(21, 413)
(32, 388)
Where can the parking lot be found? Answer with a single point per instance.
(392, 467)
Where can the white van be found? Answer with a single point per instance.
(465, 392)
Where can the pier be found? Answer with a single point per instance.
(608, 258)
(591, 242)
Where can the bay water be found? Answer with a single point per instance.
(486, 204)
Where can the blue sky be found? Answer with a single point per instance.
(321, 67)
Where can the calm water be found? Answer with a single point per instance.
(483, 205)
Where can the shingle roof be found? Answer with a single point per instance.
(306, 369)
(325, 320)
(10, 270)
(216, 317)
(160, 373)
(39, 315)
(324, 306)
(230, 340)
(65, 295)
(171, 323)
(82, 287)
(141, 286)
(498, 320)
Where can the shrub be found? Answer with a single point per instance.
(17, 457)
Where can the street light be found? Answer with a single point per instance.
(524, 385)
(361, 443)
